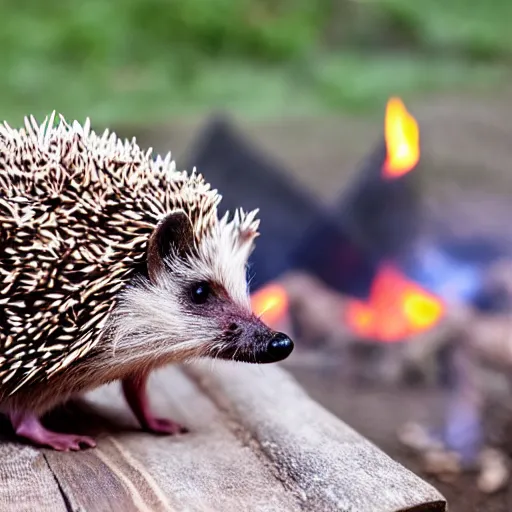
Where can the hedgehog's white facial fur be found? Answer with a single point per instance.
(159, 312)
(195, 301)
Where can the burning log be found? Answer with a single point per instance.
(320, 320)
(397, 308)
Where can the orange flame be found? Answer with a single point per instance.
(396, 309)
(402, 140)
(270, 303)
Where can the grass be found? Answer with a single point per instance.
(147, 60)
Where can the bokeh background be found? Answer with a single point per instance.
(307, 81)
(147, 60)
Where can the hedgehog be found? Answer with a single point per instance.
(113, 264)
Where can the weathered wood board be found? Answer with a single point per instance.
(257, 442)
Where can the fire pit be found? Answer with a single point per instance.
(373, 229)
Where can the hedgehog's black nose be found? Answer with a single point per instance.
(279, 348)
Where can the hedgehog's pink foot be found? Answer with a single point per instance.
(29, 427)
(135, 392)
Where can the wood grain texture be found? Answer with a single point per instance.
(207, 469)
(26, 480)
(256, 443)
(325, 463)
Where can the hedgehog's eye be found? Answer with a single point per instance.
(201, 292)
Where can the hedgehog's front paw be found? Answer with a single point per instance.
(65, 442)
(135, 392)
(29, 427)
(163, 426)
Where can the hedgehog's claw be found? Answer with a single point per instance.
(29, 427)
(135, 393)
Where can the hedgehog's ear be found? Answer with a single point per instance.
(172, 237)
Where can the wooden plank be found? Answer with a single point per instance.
(26, 480)
(256, 443)
(319, 458)
(207, 469)
(101, 479)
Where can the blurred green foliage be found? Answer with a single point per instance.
(478, 29)
(129, 60)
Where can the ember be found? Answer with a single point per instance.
(270, 303)
(396, 308)
(402, 140)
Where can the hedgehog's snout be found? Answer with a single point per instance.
(279, 347)
(271, 347)
(250, 340)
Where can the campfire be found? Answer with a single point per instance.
(396, 307)
(378, 282)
